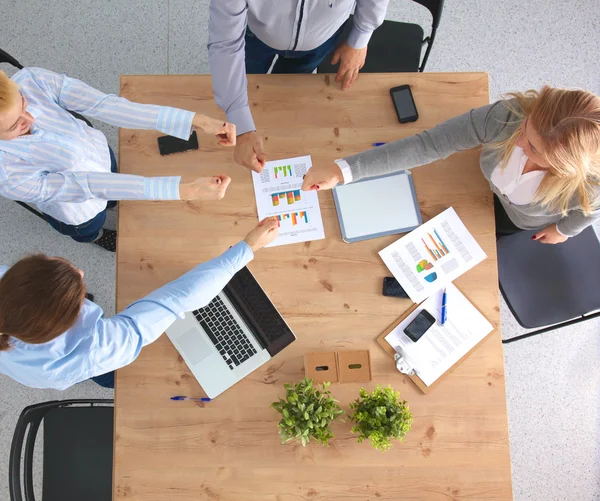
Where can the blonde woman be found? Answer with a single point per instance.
(56, 161)
(541, 156)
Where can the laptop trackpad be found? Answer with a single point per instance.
(193, 346)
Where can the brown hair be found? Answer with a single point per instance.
(568, 123)
(40, 298)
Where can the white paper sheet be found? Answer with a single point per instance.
(433, 255)
(277, 190)
(442, 345)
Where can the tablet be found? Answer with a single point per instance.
(376, 207)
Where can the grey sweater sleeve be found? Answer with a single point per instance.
(478, 126)
(575, 222)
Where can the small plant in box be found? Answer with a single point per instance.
(306, 412)
(380, 416)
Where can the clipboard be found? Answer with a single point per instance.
(415, 379)
(377, 207)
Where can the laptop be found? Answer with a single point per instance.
(236, 333)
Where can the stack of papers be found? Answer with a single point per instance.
(442, 345)
(425, 262)
(278, 192)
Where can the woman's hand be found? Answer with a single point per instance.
(224, 131)
(205, 188)
(322, 177)
(549, 235)
(266, 231)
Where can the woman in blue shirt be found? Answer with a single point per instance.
(51, 159)
(52, 337)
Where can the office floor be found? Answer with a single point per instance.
(553, 382)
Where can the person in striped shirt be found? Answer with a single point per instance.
(66, 168)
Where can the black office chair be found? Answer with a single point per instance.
(395, 47)
(550, 286)
(78, 451)
(5, 57)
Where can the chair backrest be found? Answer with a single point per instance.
(24, 441)
(5, 57)
(548, 284)
(435, 7)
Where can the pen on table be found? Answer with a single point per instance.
(444, 312)
(181, 397)
(377, 144)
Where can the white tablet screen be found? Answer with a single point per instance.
(377, 206)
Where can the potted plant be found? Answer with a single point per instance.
(380, 416)
(306, 412)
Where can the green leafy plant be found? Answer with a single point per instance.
(380, 416)
(307, 412)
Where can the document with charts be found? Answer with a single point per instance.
(278, 192)
(433, 255)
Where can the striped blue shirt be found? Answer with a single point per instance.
(96, 345)
(63, 166)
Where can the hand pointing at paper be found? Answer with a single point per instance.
(322, 177)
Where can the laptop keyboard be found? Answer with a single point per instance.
(225, 333)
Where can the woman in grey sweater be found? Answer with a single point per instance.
(541, 156)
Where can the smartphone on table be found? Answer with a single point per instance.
(419, 325)
(392, 288)
(404, 104)
(167, 145)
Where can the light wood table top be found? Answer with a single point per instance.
(330, 294)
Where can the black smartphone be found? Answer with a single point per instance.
(419, 326)
(167, 145)
(404, 103)
(392, 288)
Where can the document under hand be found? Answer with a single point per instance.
(278, 192)
(433, 255)
(442, 345)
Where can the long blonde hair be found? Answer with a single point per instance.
(568, 123)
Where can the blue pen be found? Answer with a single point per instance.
(377, 144)
(444, 312)
(181, 397)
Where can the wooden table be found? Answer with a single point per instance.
(330, 294)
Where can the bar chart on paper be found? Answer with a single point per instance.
(282, 171)
(289, 197)
(292, 218)
(278, 193)
(435, 246)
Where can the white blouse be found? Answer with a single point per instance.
(518, 187)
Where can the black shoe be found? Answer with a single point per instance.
(108, 240)
(111, 205)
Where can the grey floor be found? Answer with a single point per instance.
(553, 382)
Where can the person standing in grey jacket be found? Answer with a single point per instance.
(246, 35)
(541, 156)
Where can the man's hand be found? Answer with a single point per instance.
(322, 177)
(249, 151)
(266, 231)
(549, 235)
(224, 131)
(351, 62)
(205, 188)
